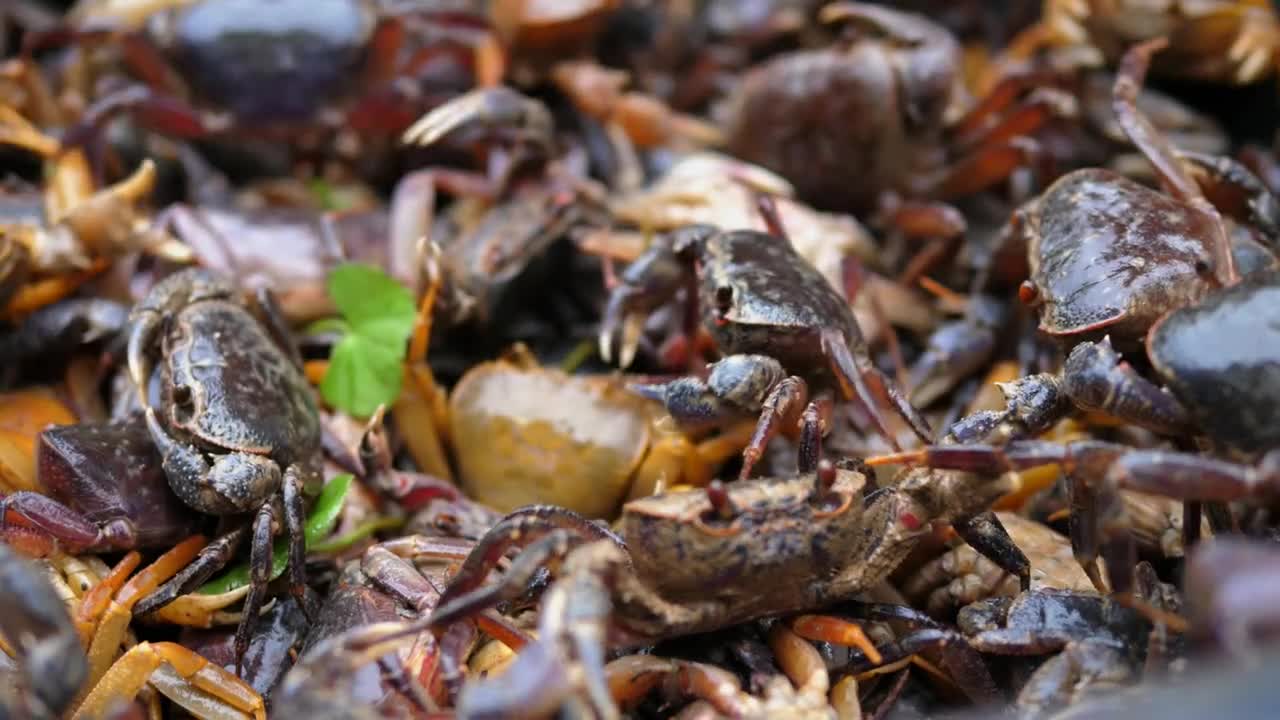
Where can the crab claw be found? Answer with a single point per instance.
(645, 284)
(495, 108)
(617, 317)
(691, 402)
(145, 327)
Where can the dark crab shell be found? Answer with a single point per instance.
(279, 61)
(778, 303)
(1109, 256)
(1221, 358)
(246, 394)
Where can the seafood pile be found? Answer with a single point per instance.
(522, 359)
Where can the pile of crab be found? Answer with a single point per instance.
(366, 359)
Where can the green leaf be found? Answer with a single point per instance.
(364, 530)
(362, 375)
(366, 366)
(375, 304)
(318, 526)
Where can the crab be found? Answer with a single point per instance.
(502, 220)
(1227, 41)
(771, 313)
(693, 561)
(1188, 294)
(37, 625)
(355, 65)
(105, 491)
(1095, 643)
(391, 586)
(1229, 595)
(897, 76)
(221, 454)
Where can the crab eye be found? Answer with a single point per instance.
(1203, 266)
(724, 298)
(183, 403)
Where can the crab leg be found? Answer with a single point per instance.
(521, 528)
(259, 577)
(127, 676)
(855, 373)
(211, 558)
(964, 663)
(53, 524)
(1158, 151)
(116, 613)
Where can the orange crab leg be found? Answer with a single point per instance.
(95, 602)
(131, 672)
(115, 621)
(430, 405)
(836, 631)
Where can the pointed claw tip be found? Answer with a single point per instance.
(653, 392)
(605, 345)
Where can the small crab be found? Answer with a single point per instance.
(698, 560)
(37, 626)
(778, 322)
(1094, 642)
(503, 220)
(1155, 272)
(1230, 591)
(1097, 472)
(871, 115)
(221, 367)
(64, 680)
(356, 65)
(1229, 41)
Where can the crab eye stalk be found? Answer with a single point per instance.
(722, 508)
(824, 478)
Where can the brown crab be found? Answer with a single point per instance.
(694, 561)
(775, 318)
(222, 453)
(873, 114)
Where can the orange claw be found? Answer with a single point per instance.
(131, 672)
(94, 602)
(834, 630)
(111, 629)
